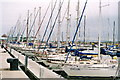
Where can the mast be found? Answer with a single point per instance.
(49, 22)
(100, 25)
(70, 27)
(27, 27)
(59, 24)
(9, 35)
(39, 16)
(108, 28)
(18, 30)
(42, 21)
(79, 24)
(51, 17)
(78, 15)
(62, 36)
(39, 23)
(53, 24)
(113, 33)
(84, 29)
(30, 22)
(99, 38)
(15, 29)
(34, 22)
(68, 20)
(99, 34)
(23, 30)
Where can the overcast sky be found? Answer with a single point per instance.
(11, 10)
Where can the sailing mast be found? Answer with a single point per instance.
(62, 36)
(24, 28)
(108, 28)
(51, 17)
(77, 29)
(12, 36)
(49, 22)
(68, 21)
(59, 24)
(19, 31)
(99, 34)
(78, 15)
(34, 26)
(100, 25)
(9, 35)
(27, 27)
(113, 33)
(84, 29)
(39, 23)
(30, 22)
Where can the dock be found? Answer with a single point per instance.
(5, 72)
(36, 69)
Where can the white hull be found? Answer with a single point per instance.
(90, 72)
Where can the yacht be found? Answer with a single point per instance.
(91, 69)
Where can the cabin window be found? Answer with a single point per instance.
(94, 63)
(87, 63)
(81, 62)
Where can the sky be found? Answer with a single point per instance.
(11, 10)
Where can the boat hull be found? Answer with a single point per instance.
(88, 72)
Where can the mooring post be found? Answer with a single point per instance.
(10, 50)
(26, 62)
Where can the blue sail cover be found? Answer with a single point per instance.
(18, 42)
(73, 50)
(51, 46)
(107, 52)
(118, 54)
(84, 55)
(77, 52)
(13, 42)
(30, 44)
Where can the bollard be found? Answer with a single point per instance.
(13, 63)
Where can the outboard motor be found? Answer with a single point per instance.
(13, 63)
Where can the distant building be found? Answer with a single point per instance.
(119, 21)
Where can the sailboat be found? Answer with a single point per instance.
(91, 68)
